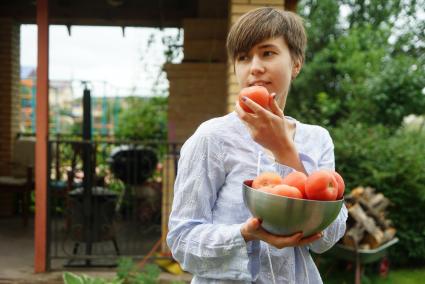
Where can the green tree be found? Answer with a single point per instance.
(364, 73)
(144, 119)
(369, 71)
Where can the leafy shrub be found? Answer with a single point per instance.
(394, 164)
(144, 119)
(127, 273)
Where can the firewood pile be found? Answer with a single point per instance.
(367, 224)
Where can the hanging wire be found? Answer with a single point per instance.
(267, 245)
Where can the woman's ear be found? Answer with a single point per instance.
(296, 68)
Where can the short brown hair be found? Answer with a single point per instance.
(264, 23)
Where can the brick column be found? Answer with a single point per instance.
(9, 88)
(198, 89)
(236, 9)
(9, 103)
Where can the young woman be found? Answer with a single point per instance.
(211, 232)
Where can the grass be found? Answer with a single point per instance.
(340, 273)
(402, 276)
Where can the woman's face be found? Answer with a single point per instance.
(268, 64)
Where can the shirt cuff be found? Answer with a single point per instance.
(253, 253)
(283, 170)
(309, 165)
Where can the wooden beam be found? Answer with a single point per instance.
(42, 133)
(158, 13)
(291, 5)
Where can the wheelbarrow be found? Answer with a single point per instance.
(360, 256)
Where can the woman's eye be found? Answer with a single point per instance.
(242, 57)
(268, 53)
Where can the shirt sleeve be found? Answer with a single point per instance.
(336, 229)
(208, 250)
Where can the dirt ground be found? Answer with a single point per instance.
(17, 259)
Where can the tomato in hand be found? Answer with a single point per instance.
(258, 94)
(321, 185)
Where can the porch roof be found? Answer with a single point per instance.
(156, 13)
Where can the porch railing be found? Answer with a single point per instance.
(105, 199)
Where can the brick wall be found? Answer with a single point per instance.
(9, 88)
(9, 103)
(197, 93)
(236, 9)
(198, 89)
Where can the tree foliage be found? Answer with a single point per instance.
(144, 119)
(364, 73)
(362, 67)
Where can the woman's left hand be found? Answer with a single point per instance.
(267, 127)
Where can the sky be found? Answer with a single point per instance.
(116, 65)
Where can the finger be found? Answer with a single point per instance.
(243, 115)
(254, 224)
(310, 239)
(251, 230)
(274, 107)
(295, 237)
(256, 108)
(239, 109)
(280, 241)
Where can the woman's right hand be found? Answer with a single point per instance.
(252, 230)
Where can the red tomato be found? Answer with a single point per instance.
(341, 184)
(288, 191)
(266, 179)
(258, 94)
(267, 189)
(296, 179)
(321, 185)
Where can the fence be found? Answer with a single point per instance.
(107, 199)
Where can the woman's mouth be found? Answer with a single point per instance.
(259, 83)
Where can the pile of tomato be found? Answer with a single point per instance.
(326, 185)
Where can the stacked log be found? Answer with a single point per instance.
(367, 226)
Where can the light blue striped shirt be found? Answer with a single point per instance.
(208, 209)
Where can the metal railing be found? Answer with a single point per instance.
(104, 199)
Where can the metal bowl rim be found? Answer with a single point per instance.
(245, 186)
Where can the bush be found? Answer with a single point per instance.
(144, 119)
(127, 273)
(393, 162)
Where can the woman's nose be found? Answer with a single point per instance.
(257, 66)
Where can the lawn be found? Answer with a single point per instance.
(371, 276)
(402, 276)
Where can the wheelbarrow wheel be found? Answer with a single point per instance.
(384, 267)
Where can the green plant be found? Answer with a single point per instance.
(144, 119)
(393, 162)
(127, 273)
(360, 66)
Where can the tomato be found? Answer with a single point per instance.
(267, 189)
(341, 184)
(258, 94)
(296, 179)
(321, 185)
(266, 179)
(288, 191)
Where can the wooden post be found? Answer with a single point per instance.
(168, 179)
(291, 5)
(42, 133)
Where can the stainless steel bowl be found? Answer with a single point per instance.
(285, 216)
